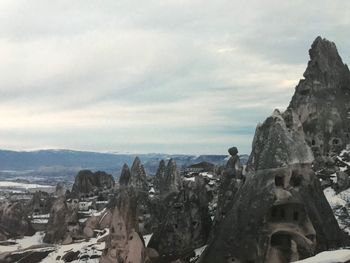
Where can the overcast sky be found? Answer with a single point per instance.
(154, 76)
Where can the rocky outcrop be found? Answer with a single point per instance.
(124, 243)
(280, 213)
(185, 223)
(167, 179)
(89, 183)
(322, 101)
(40, 203)
(14, 220)
(138, 178)
(278, 142)
(124, 176)
(63, 226)
(230, 181)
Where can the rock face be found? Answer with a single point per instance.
(322, 100)
(63, 225)
(280, 214)
(124, 243)
(167, 179)
(186, 222)
(138, 178)
(14, 220)
(278, 142)
(87, 182)
(231, 181)
(124, 176)
(40, 203)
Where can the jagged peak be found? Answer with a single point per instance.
(324, 58)
(137, 161)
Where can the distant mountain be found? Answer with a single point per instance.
(47, 162)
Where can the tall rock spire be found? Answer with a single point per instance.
(322, 100)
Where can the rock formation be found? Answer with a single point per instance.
(124, 243)
(138, 178)
(185, 224)
(89, 183)
(322, 100)
(124, 176)
(231, 180)
(280, 213)
(278, 142)
(40, 203)
(14, 220)
(63, 225)
(167, 179)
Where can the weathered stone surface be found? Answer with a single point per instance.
(167, 179)
(138, 178)
(14, 220)
(270, 221)
(87, 182)
(40, 203)
(279, 141)
(63, 225)
(280, 213)
(124, 176)
(124, 243)
(230, 182)
(186, 222)
(322, 100)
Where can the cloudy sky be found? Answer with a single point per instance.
(153, 76)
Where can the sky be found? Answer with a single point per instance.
(167, 76)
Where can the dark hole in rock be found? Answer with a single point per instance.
(295, 216)
(313, 142)
(282, 213)
(295, 180)
(281, 240)
(278, 180)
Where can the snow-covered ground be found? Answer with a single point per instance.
(16, 185)
(24, 242)
(86, 248)
(336, 256)
(340, 204)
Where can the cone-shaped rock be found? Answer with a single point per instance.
(124, 176)
(138, 177)
(322, 99)
(280, 214)
(185, 224)
(124, 243)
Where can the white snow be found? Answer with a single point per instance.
(190, 179)
(336, 256)
(332, 198)
(24, 242)
(8, 184)
(147, 238)
(198, 252)
(91, 247)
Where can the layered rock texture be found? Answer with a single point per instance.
(87, 182)
(124, 176)
(63, 225)
(280, 213)
(231, 180)
(322, 100)
(14, 220)
(167, 179)
(186, 222)
(138, 178)
(124, 243)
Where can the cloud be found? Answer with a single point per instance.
(169, 76)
